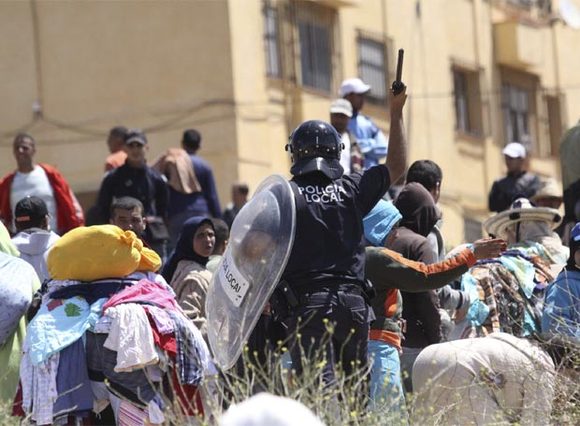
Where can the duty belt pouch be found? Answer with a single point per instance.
(368, 290)
(283, 301)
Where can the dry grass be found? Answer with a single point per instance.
(344, 402)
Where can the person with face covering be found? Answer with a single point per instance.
(420, 310)
(186, 269)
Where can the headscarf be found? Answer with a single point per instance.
(184, 248)
(380, 221)
(420, 214)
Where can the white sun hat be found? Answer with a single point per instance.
(521, 210)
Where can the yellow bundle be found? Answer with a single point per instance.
(97, 252)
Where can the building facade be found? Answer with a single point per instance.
(481, 73)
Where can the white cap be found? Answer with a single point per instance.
(341, 106)
(515, 150)
(265, 410)
(353, 85)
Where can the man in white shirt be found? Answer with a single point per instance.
(371, 140)
(40, 180)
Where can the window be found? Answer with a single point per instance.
(271, 41)
(467, 100)
(531, 115)
(299, 42)
(315, 54)
(461, 102)
(516, 113)
(372, 65)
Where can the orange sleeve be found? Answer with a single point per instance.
(388, 269)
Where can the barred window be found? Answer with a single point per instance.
(516, 113)
(467, 100)
(271, 40)
(461, 102)
(373, 68)
(315, 54)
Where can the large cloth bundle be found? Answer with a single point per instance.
(113, 341)
(15, 293)
(499, 379)
(97, 252)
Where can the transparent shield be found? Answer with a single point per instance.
(260, 242)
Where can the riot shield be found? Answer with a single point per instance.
(260, 242)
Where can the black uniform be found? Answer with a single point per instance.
(326, 266)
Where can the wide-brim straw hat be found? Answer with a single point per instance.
(521, 210)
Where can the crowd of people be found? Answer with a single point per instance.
(104, 315)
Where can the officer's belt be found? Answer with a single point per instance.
(327, 287)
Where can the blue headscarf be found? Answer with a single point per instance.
(380, 221)
(184, 248)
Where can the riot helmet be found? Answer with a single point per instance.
(315, 146)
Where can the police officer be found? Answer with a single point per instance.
(325, 272)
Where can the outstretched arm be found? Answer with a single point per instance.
(388, 269)
(397, 157)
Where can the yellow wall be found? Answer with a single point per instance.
(167, 66)
(159, 67)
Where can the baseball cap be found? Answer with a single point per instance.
(341, 106)
(135, 135)
(515, 150)
(353, 85)
(31, 210)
